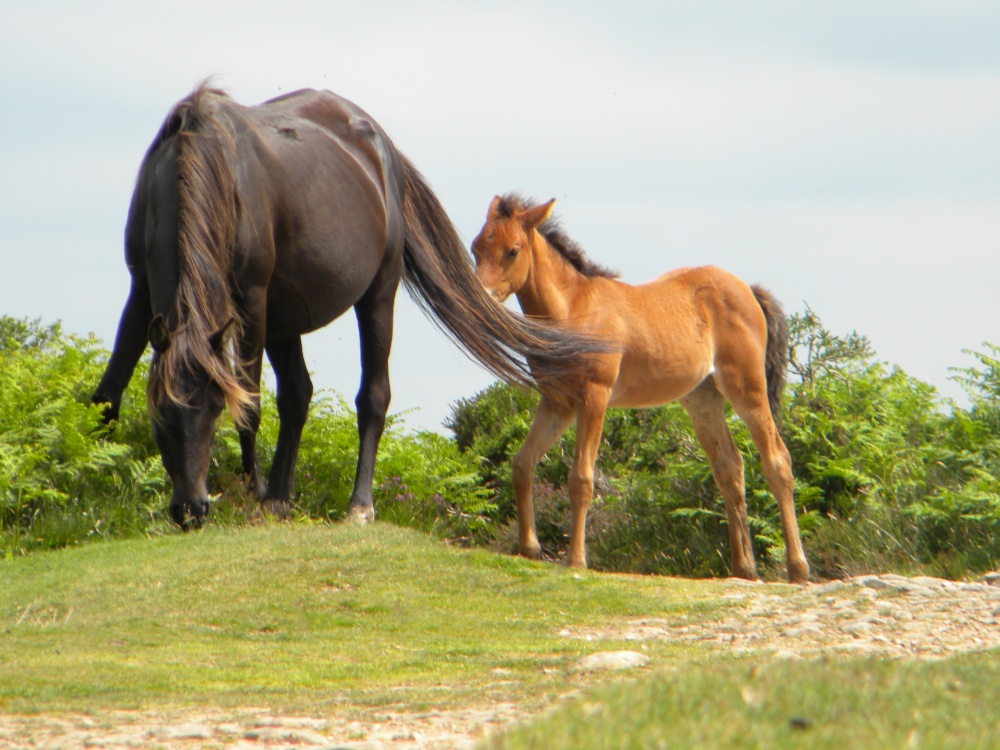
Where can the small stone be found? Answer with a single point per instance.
(873, 582)
(807, 629)
(785, 654)
(285, 734)
(612, 660)
(184, 732)
(858, 628)
(829, 587)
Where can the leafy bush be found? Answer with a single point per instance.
(63, 477)
(889, 476)
(66, 478)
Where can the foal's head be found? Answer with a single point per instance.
(502, 249)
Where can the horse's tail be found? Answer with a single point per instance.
(440, 278)
(776, 360)
(206, 224)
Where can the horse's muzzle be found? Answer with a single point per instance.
(189, 514)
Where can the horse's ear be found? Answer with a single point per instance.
(494, 207)
(159, 336)
(218, 339)
(535, 216)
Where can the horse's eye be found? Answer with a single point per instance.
(512, 253)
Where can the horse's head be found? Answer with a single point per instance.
(185, 400)
(503, 247)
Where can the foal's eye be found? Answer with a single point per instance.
(512, 253)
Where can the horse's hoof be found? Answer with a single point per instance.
(279, 509)
(358, 514)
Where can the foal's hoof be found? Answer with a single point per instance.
(279, 509)
(798, 572)
(357, 514)
(530, 552)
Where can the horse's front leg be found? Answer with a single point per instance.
(295, 391)
(589, 424)
(247, 431)
(250, 348)
(130, 343)
(550, 421)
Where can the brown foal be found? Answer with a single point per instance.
(699, 336)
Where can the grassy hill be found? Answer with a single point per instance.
(329, 619)
(299, 615)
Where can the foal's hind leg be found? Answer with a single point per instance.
(776, 464)
(706, 405)
(550, 421)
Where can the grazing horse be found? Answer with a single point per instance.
(250, 226)
(697, 335)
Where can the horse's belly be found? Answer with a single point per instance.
(312, 298)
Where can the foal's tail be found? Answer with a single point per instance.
(439, 276)
(776, 361)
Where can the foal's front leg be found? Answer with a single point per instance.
(589, 424)
(550, 421)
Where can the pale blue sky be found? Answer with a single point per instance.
(843, 154)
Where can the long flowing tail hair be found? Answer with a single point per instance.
(438, 273)
(206, 233)
(776, 362)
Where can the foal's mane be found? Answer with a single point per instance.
(551, 229)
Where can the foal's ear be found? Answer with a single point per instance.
(535, 216)
(218, 338)
(159, 336)
(494, 207)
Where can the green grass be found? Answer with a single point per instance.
(321, 619)
(817, 705)
(302, 616)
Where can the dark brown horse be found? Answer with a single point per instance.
(250, 226)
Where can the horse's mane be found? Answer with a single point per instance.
(551, 229)
(206, 232)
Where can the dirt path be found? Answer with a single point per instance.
(887, 616)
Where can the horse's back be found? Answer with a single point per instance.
(335, 120)
(320, 204)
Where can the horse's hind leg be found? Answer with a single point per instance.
(294, 394)
(706, 405)
(550, 421)
(374, 312)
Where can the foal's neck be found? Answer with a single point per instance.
(552, 283)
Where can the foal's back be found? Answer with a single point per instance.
(675, 331)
